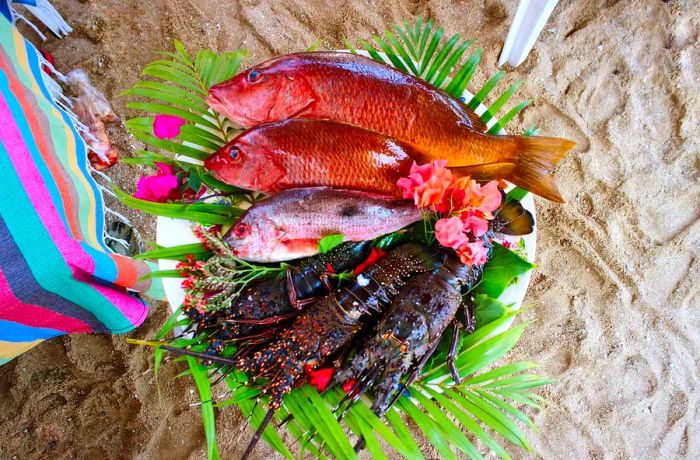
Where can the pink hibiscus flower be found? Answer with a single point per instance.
(475, 223)
(161, 187)
(167, 126)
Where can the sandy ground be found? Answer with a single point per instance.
(615, 297)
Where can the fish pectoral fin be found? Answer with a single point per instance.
(485, 171)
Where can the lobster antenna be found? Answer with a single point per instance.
(256, 437)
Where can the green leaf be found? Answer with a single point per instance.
(176, 252)
(501, 101)
(270, 435)
(493, 418)
(503, 266)
(446, 400)
(163, 96)
(453, 433)
(398, 63)
(503, 405)
(481, 95)
(208, 214)
(168, 110)
(461, 80)
(329, 242)
(327, 422)
(517, 194)
(428, 426)
(240, 394)
(505, 119)
(170, 146)
(440, 58)
(161, 274)
(499, 372)
(403, 434)
(430, 51)
(489, 309)
(199, 374)
(174, 76)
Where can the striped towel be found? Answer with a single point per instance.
(57, 275)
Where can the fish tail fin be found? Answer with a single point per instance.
(531, 160)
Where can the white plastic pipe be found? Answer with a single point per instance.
(528, 22)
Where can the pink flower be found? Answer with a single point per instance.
(167, 126)
(426, 184)
(475, 223)
(161, 187)
(473, 253)
(448, 232)
(490, 197)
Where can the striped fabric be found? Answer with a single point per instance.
(57, 276)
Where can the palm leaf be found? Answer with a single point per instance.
(422, 50)
(179, 88)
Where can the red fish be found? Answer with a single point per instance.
(290, 224)
(357, 90)
(303, 153)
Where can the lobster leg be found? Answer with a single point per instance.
(414, 375)
(263, 321)
(294, 299)
(453, 353)
(251, 445)
(469, 316)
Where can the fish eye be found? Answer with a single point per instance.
(234, 153)
(241, 230)
(254, 75)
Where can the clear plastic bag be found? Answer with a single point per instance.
(93, 110)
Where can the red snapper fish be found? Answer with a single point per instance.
(302, 153)
(290, 224)
(353, 89)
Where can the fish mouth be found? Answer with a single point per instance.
(215, 102)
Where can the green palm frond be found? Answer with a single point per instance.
(483, 405)
(421, 49)
(179, 86)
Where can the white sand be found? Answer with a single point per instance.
(615, 297)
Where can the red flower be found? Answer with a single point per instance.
(349, 385)
(374, 255)
(320, 378)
